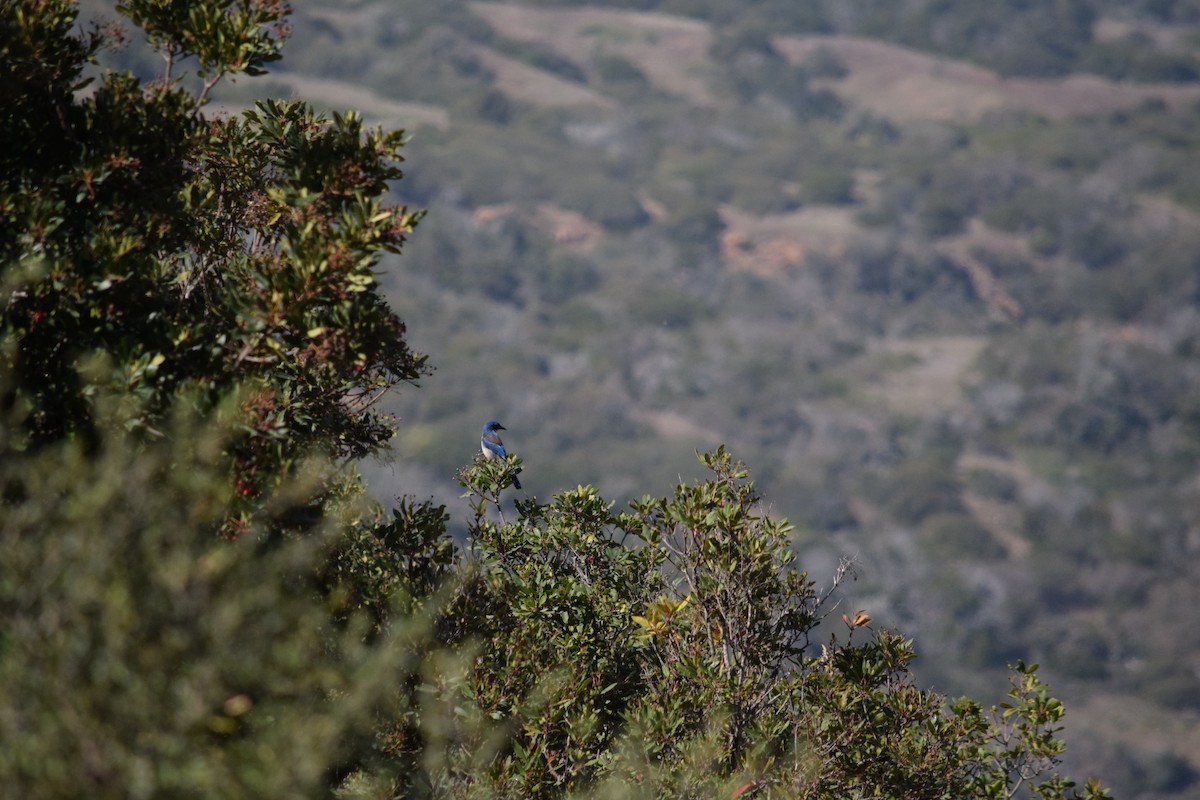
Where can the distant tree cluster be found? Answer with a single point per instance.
(1013, 36)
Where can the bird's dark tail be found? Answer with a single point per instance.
(516, 483)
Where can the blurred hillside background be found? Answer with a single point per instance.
(931, 270)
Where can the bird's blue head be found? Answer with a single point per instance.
(492, 426)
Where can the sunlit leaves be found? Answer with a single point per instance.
(223, 35)
(198, 253)
(670, 650)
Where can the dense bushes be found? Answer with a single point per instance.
(170, 252)
(675, 650)
(142, 655)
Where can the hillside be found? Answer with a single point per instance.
(945, 310)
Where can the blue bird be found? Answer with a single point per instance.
(493, 448)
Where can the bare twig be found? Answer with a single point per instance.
(208, 86)
(170, 53)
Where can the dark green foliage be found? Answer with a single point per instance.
(141, 655)
(918, 488)
(562, 276)
(195, 253)
(668, 309)
(543, 58)
(829, 184)
(751, 68)
(1135, 58)
(672, 651)
(392, 566)
(941, 215)
(617, 70)
(695, 226)
(490, 105)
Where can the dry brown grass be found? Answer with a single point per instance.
(565, 228)
(886, 79)
(933, 381)
(905, 85)
(674, 425)
(672, 51)
(537, 87)
(338, 95)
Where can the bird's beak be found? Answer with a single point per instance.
(501, 428)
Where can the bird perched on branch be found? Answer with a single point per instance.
(493, 448)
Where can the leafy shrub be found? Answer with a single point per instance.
(828, 184)
(949, 535)
(942, 215)
(194, 253)
(917, 488)
(671, 651)
(1136, 58)
(614, 69)
(993, 484)
(144, 656)
(562, 276)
